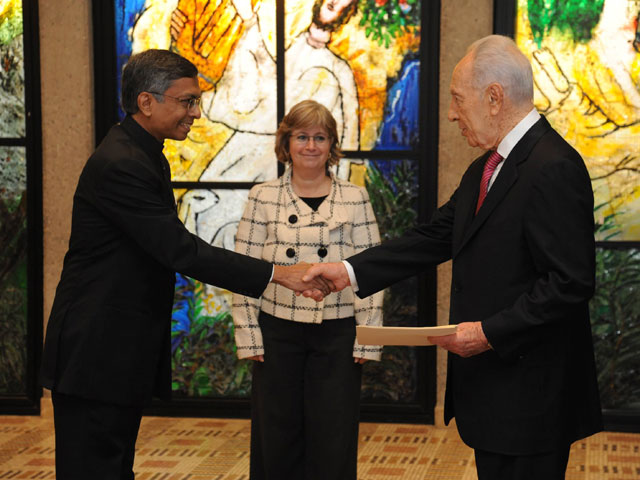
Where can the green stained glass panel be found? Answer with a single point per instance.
(204, 360)
(13, 270)
(586, 65)
(12, 112)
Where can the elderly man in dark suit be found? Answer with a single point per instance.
(107, 348)
(521, 378)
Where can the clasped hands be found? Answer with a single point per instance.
(312, 280)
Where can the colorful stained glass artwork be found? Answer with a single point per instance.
(373, 96)
(13, 174)
(615, 323)
(213, 215)
(204, 362)
(203, 355)
(233, 44)
(586, 62)
(393, 191)
(126, 13)
(375, 47)
(399, 129)
(226, 144)
(12, 112)
(13, 270)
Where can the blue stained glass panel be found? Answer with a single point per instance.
(399, 129)
(126, 14)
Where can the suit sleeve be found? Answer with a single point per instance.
(129, 193)
(368, 311)
(560, 236)
(421, 247)
(250, 238)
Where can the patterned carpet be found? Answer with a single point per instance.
(218, 449)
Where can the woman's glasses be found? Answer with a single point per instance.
(303, 139)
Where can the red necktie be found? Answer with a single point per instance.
(489, 167)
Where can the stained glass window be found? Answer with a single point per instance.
(12, 120)
(13, 269)
(256, 59)
(586, 60)
(20, 216)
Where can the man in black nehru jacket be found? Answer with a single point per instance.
(107, 347)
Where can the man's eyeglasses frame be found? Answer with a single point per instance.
(189, 103)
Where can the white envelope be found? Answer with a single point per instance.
(400, 335)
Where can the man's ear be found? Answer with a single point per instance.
(145, 103)
(495, 93)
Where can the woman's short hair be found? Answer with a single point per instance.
(306, 114)
(152, 71)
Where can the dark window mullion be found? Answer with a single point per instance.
(280, 53)
(214, 185)
(14, 142)
(382, 154)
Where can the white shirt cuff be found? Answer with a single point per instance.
(352, 275)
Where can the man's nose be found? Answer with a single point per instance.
(452, 115)
(196, 111)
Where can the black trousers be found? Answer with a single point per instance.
(94, 440)
(543, 466)
(305, 402)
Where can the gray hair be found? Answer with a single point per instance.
(497, 59)
(152, 71)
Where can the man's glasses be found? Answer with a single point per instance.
(303, 139)
(189, 103)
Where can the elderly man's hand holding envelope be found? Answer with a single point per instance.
(465, 339)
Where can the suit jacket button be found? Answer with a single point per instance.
(293, 219)
(322, 252)
(291, 252)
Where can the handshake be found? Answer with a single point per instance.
(312, 280)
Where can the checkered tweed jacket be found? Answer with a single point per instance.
(279, 227)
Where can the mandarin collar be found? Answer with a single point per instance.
(144, 138)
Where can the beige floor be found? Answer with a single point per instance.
(218, 449)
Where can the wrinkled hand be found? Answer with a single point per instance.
(468, 340)
(360, 360)
(257, 358)
(334, 273)
(291, 277)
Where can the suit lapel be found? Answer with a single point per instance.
(504, 181)
(469, 199)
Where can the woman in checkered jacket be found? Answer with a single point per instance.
(308, 364)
